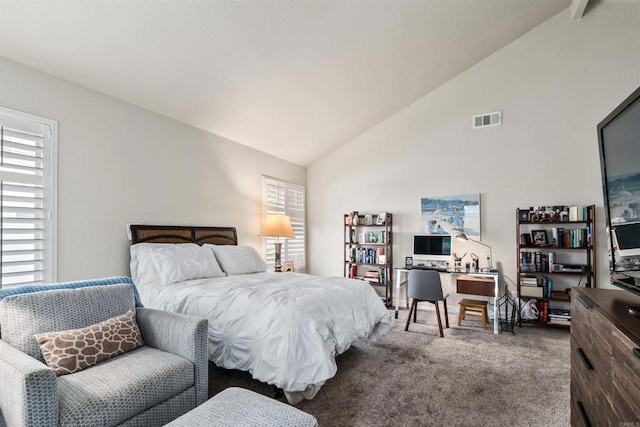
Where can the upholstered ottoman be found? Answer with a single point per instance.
(239, 407)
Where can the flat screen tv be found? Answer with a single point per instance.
(619, 142)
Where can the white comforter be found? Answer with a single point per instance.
(284, 328)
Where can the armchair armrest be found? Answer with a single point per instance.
(28, 392)
(183, 335)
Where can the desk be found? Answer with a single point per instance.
(402, 276)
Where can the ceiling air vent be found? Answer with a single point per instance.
(487, 119)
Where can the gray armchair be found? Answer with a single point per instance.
(151, 385)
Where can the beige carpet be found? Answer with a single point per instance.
(471, 377)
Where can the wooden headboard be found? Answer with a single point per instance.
(182, 234)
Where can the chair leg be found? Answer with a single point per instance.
(439, 319)
(415, 311)
(446, 313)
(413, 306)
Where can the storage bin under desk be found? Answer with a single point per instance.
(475, 285)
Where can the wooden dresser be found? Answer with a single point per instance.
(605, 358)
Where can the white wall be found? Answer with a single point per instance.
(553, 85)
(120, 164)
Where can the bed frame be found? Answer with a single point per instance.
(189, 234)
(184, 234)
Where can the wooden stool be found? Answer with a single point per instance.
(473, 308)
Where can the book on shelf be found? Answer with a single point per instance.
(382, 275)
(538, 261)
(371, 280)
(378, 276)
(571, 238)
(543, 309)
(558, 313)
(573, 213)
(536, 287)
(369, 255)
(559, 322)
(559, 318)
(547, 284)
(529, 284)
(578, 213)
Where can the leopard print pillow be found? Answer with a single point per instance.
(70, 351)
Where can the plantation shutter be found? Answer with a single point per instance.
(27, 154)
(285, 198)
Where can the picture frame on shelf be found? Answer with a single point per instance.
(535, 215)
(523, 215)
(382, 216)
(525, 239)
(288, 267)
(539, 237)
(408, 262)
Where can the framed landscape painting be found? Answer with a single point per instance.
(451, 215)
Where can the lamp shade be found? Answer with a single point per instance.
(277, 225)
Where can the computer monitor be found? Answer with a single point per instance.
(431, 247)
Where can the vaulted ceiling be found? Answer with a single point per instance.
(295, 79)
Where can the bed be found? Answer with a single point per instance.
(283, 328)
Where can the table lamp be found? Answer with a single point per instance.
(277, 225)
(463, 237)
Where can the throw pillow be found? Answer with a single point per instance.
(70, 351)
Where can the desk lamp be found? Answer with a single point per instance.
(277, 225)
(463, 237)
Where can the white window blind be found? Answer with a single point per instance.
(27, 202)
(285, 198)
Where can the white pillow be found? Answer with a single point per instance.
(143, 270)
(171, 263)
(238, 259)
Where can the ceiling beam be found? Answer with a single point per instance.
(577, 8)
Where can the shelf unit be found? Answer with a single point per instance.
(576, 252)
(368, 251)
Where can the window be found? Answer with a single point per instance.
(27, 198)
(285, 198)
